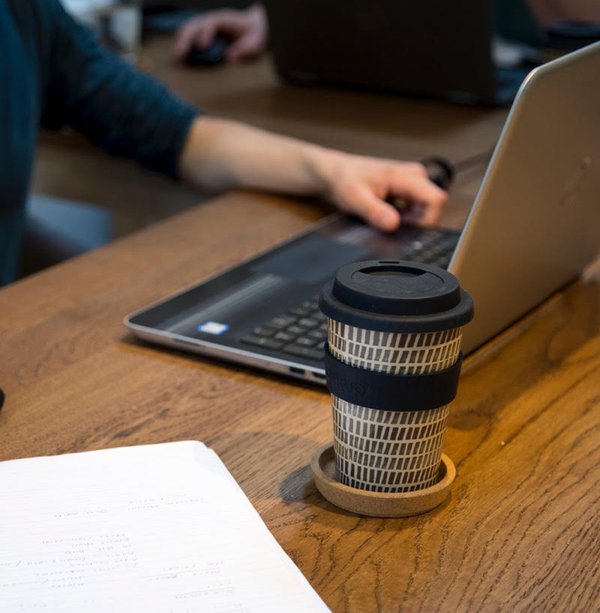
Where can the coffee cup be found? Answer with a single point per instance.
(392, 363)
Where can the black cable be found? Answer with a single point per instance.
(474, 160)
(439, 170)
(442, 172)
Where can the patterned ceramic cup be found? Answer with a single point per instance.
(393, 360)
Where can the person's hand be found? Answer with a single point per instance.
(221, 154)
(247, 30)
(367, 187)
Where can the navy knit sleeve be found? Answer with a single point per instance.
(119, 109)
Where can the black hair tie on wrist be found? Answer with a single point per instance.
(1, 398)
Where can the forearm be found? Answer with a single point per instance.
(221, 154)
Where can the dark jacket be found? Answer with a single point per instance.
(54, 73)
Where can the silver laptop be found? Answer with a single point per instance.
(534, 226)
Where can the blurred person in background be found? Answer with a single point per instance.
(248, 29)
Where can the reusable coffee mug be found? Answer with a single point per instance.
(392, 364)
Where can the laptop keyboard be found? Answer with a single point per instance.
(430, 248)
(302, 331)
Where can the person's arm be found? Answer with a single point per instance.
(130, 114)
(247, 30)
(221, 154)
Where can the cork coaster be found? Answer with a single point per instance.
(379, 504)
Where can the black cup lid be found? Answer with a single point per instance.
(396, 296)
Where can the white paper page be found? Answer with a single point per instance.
(148, 528)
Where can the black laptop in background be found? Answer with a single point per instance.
(438, 48)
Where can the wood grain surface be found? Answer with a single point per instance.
(521, 528)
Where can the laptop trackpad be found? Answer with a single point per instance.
(311, 260)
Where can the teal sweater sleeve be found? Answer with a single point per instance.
(118, 108)
(54, 73)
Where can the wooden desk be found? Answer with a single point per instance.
(521, 530)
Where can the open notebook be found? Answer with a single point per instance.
(150, 528)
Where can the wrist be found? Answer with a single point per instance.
(323, 167)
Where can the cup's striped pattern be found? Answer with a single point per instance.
(390, 451)
(393, 352)
(387, 451)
